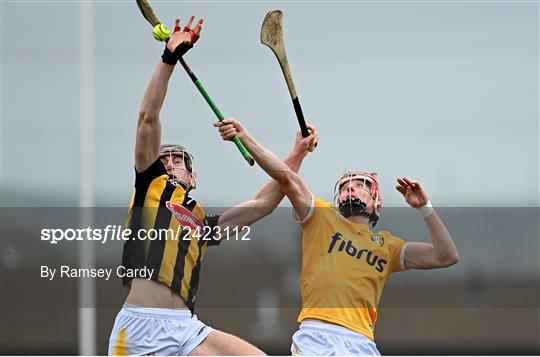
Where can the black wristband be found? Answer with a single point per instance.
(181, 49)
(171, 58)
(168, 57)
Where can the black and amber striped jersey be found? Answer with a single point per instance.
(163, 219)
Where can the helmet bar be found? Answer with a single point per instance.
(174, 149)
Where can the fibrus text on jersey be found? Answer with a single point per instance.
(65, 271)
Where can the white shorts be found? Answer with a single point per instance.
(149, 331)
(324, 339)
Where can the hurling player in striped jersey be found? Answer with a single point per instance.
(158, 315)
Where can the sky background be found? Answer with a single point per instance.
(443, 92)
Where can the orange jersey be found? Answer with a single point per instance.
(344, 268)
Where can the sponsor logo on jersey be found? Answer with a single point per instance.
(185, 217)
(346, 246)
(378, 240)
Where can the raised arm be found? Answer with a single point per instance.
(442, 251)
(269, 197)
(148, 137)
(291, 184)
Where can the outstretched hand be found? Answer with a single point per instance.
(304, 145)
(413, 193)
(187, 35)
(229, 128)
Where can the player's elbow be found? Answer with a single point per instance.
(454, 259)
(448, 260)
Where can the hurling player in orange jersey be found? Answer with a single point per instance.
(344, 264)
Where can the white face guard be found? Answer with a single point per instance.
(187, 158)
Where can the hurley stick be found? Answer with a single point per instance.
(152, 18)
(272, 36)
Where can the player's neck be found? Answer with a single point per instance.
(359, 219)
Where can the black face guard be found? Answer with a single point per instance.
(355, 207)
